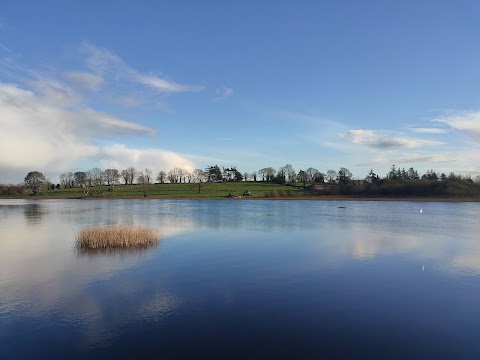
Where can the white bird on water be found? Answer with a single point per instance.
(421, 210)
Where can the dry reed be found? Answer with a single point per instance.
(116, 236)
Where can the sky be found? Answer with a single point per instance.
(252, 84)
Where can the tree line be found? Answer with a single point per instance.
(398, 181)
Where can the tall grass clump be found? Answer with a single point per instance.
(116, 236)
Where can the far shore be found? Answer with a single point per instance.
(241, 198)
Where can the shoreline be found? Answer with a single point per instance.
(241, 198)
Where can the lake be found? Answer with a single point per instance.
(246, 279)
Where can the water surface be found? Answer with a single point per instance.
(242, 279)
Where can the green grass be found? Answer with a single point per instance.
(190, 191)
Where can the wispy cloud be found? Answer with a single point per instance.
(378, 140)
(222, 93)
(421, 158)
(39, 135)
(84, 80)
(409, 159)
(107, 63)
(467, 122)
(374, 161)
(49, 124)
(166, 86)
(429, 130)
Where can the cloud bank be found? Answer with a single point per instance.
(48, 124)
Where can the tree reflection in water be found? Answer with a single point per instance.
(34, 213)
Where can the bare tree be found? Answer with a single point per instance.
(246, 176)
(80, 178)
(303, 177)
(161, 177)
(111, 177)
(148, 175)
(63, 179)
(254, 176)
(311, 173)
(182, 175)
(188, 176)
(263, 173)
(171, 176)
(175, 175)
(88, 178)
(319, 177)
(199, 177)
(126, 176)
(287, 174)
(131, 175)
(142, 180)
(331, 175)
(267, 174)
(282, 175)
(291, 174)
(97, 176)
(69, 179)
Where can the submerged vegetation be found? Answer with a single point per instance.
(116, 236)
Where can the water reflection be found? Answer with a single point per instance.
(265, 266)
(34, 213)
(122, 251)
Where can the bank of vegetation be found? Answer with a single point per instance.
(214, 182)
(116, 236)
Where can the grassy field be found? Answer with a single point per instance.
(186, 191)
(259, 190)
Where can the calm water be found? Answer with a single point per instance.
(243, 279)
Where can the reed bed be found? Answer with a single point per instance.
(116, 236)
(120, 251)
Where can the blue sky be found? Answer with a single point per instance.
(254, 84)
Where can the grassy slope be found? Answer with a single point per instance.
(221, 190)
(208, 190)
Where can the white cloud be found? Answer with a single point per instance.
(47, 125)
(120, 157)
(429, 130)
(106, 63)
(467, 122)
(40, 136)
(377, 140)
(222, 93)
(163, 85)
(55, 88)
(107, 77)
